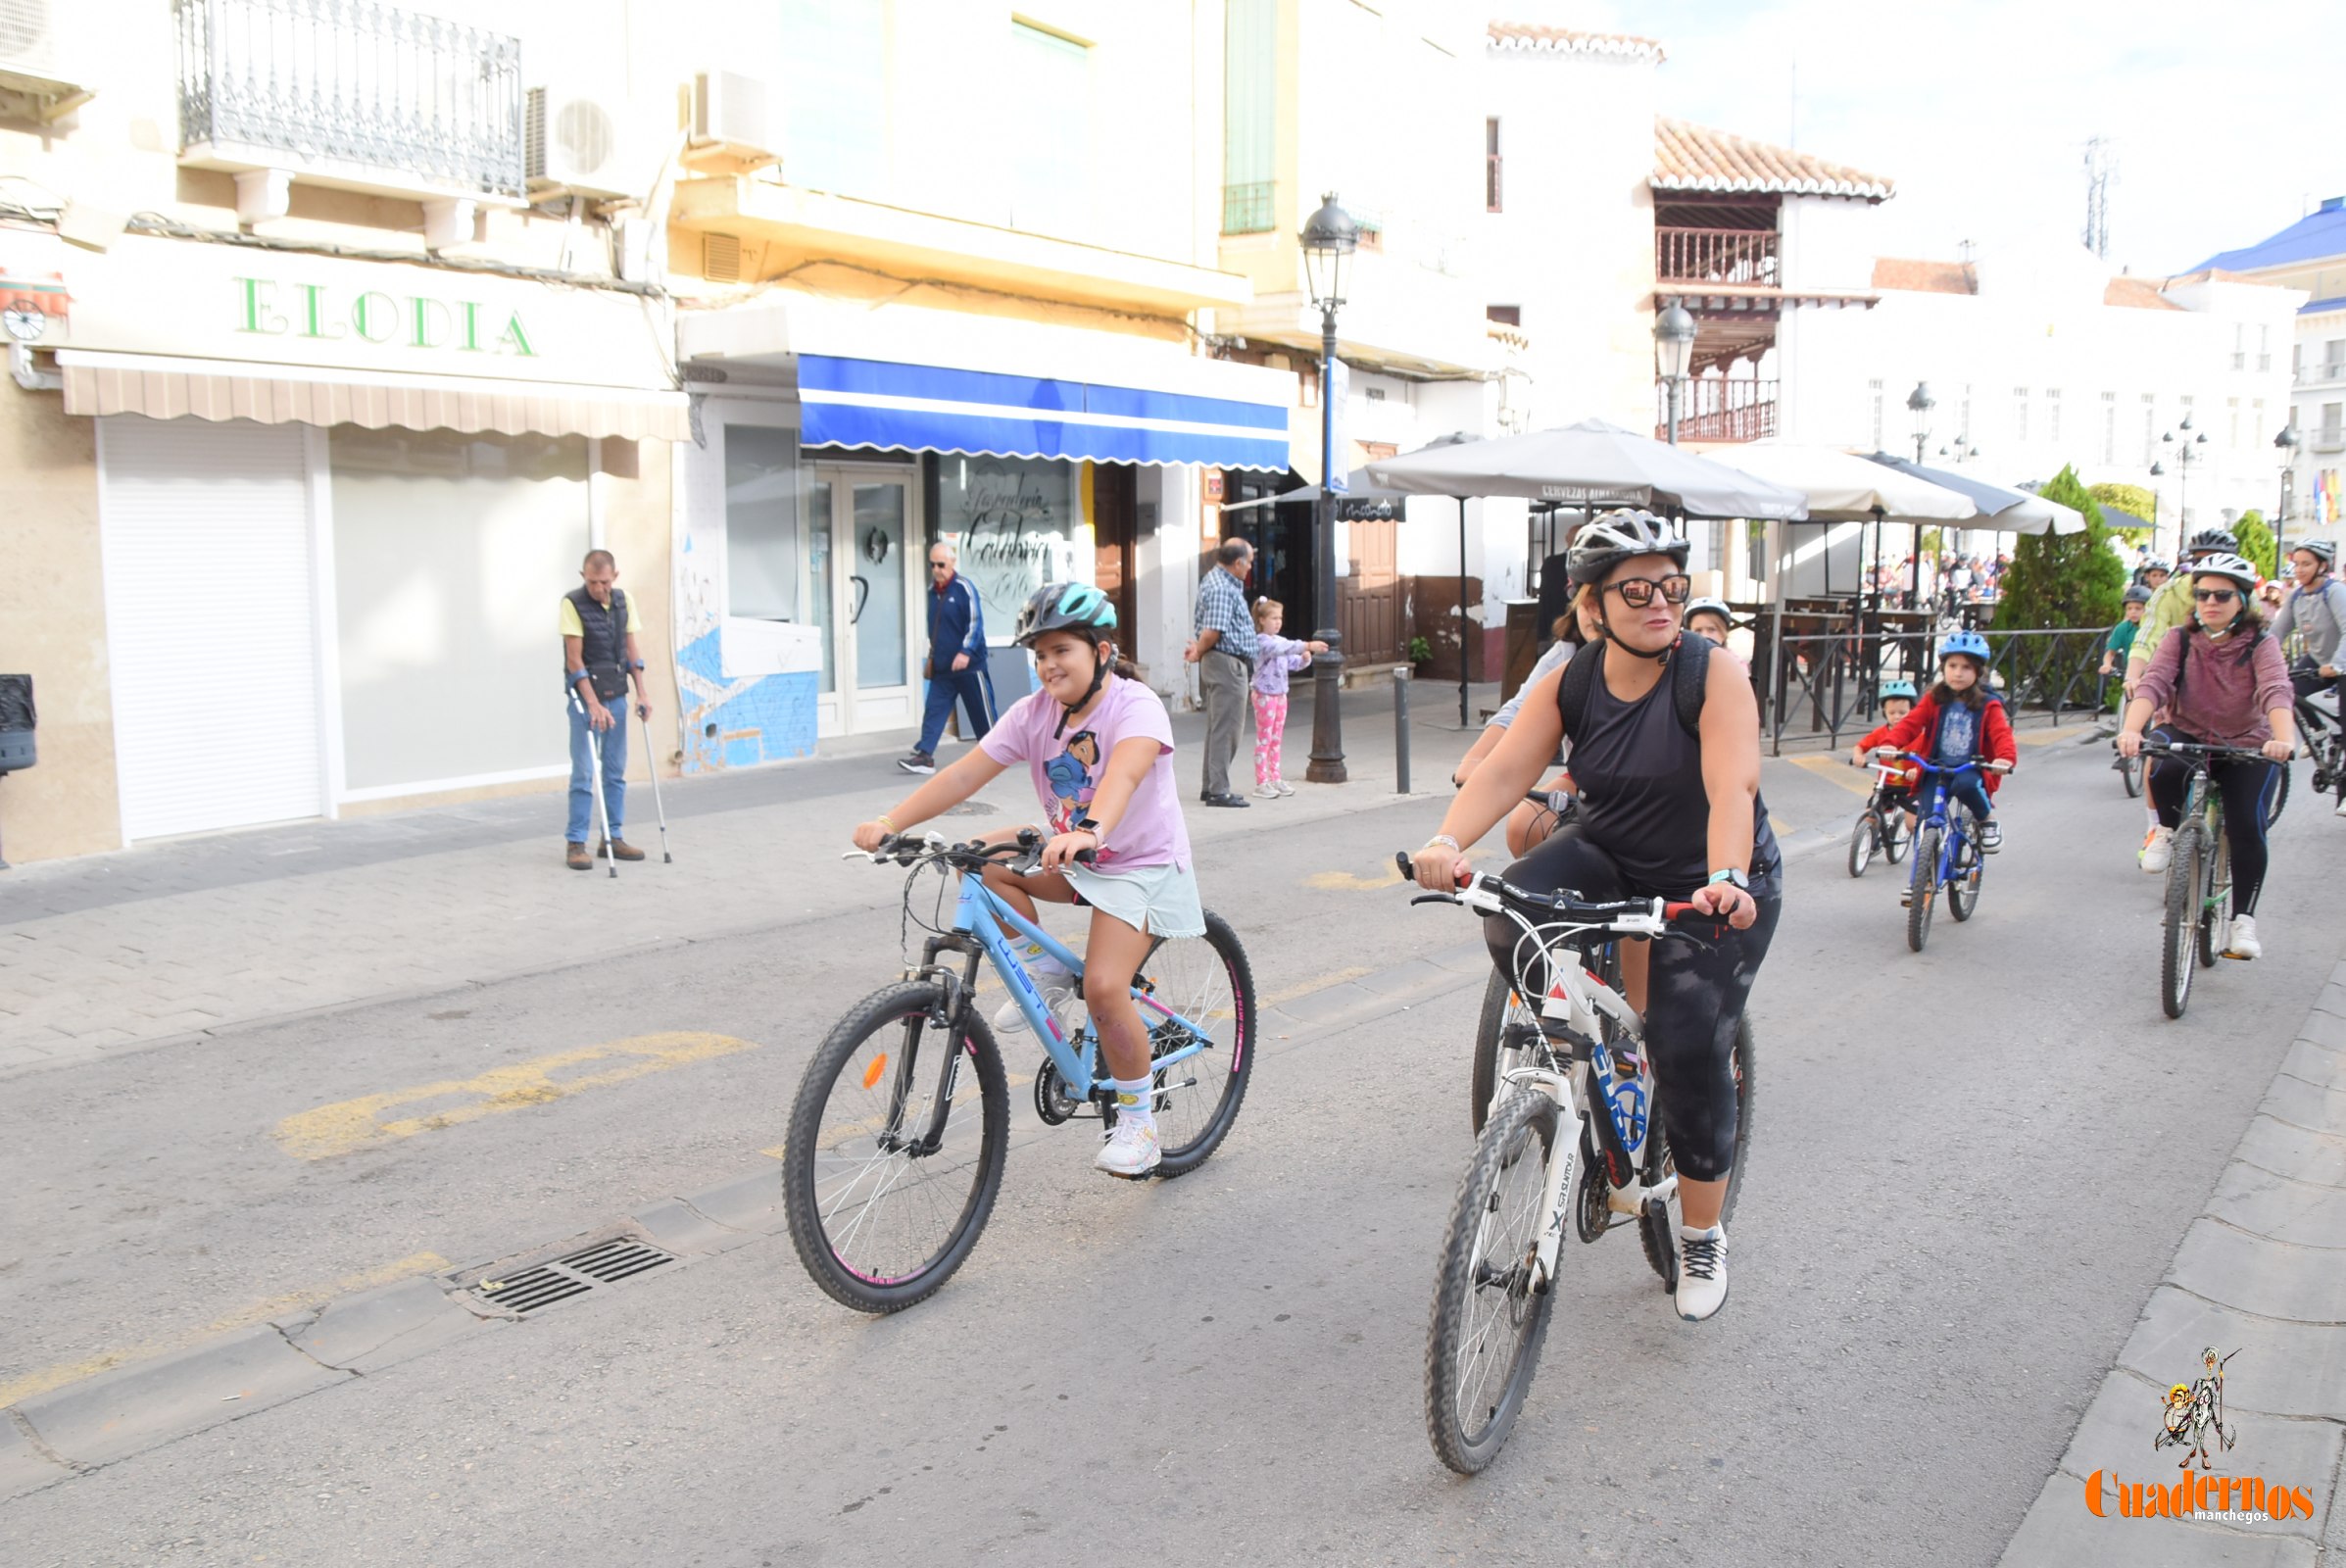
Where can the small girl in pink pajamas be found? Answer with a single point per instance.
(1275, 657)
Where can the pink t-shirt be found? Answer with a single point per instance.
(1067, 771)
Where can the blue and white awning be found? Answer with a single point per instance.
(921, 408)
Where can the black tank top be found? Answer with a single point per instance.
(1642, 800)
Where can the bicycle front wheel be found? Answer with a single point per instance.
(895, 1149)
(1862, 839)
(1483, 1346)
(2180, 929)
(2216, 900)
(1207, 981)
(1963, 893)
(2129, 773)
(1923, 886)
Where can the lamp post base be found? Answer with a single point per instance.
(1327, 724)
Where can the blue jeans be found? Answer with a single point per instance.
(972, 687)
(613, 742)
(1970, 789)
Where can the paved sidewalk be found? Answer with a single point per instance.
(2261, 1273)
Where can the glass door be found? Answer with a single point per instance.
(862, 564)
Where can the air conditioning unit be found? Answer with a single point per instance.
(32, 82)
(731, 128)
(571, 145)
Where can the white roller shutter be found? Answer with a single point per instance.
(209, 610)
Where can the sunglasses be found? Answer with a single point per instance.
(2214, 596)
(941, 566)
(1639, 592)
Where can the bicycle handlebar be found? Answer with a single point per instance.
(2192, 749)
(1993, 765)
(1025, 851)
(1487, 893)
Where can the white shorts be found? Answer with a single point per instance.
(1160, 900)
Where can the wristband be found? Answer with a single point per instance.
(1444, 838)
(1733, 878)
(888, 823)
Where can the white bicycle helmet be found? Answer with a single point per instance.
(2220, 565)
(2322, 550)
(1716, 607)
(1608, 540)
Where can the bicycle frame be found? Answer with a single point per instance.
(1940, 817)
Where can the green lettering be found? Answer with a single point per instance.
(471, 311)
(365, 316)
(257, 315)
(424, 322)
(314, 312)
(516, 337)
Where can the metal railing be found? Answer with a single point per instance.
(1715, 255)
(1717, 409)
(1246, 209)
(1821, 678)
(350, 82)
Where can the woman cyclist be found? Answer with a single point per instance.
(1099, 748)
(2314, 609)
(1664, 814)
(2222, 681)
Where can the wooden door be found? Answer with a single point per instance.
(1369, 600)
(1115, 507)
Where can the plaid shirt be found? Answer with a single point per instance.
(1222, 607)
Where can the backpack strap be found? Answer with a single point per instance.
(1690, 672)
(1576, 683)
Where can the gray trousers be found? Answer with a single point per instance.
(1224, 679)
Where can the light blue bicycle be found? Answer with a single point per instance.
(902, 1122)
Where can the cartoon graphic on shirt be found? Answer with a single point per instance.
(1072, 776)
(1955, 737)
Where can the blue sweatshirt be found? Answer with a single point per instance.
(956, 625)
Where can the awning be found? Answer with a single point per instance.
(921, 408)
(97, 382)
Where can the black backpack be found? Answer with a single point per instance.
(1690, 668)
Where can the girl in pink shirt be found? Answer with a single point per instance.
(1275, 659)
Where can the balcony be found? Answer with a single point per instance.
(1743, 257)
(350, 94)
(1248, 208)
(1718, 409)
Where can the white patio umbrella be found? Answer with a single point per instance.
(1589, 463)
(1843, 488)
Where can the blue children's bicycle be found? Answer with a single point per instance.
(902, 1122)
(1946, 850)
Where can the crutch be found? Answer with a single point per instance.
(652, 759)
(595, 778)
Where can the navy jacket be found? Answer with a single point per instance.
(956, 625)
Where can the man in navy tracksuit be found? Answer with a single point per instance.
(956, 666)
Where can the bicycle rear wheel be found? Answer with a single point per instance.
(896, 1150)
(1506, 1036)
(1659, 1161)
(1483, 1347)
(2180, 926)
(1863, 839)
(1925, 885)
(1207, 981)
(1895, 839)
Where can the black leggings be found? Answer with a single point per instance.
(1694, 997)
(2247, 790)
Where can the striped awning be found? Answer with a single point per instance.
(97, 382)
(918, 408)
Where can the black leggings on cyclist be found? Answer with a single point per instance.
(2247, 789)
(1695, 996)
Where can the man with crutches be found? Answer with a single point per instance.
(598, 628)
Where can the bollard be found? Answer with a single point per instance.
(1400, 728)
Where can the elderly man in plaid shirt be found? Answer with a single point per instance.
(1224, 653)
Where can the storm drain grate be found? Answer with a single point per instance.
(604, 1263)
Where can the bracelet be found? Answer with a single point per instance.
(1444, 838)
(888, 823)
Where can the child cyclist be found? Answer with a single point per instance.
(1099, 748)
(1275, 659)
(1896, 791)
(1959, 720)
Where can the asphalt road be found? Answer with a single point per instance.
(1969, 1170)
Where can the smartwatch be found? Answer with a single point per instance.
(1733, 878)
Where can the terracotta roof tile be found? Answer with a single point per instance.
(1572, 41)
(1695, 158)
(1923, 277)
(2137, 293)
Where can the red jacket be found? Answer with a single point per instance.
(1918, 732)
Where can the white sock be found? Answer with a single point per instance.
(1136, 1100)
(1041, 962)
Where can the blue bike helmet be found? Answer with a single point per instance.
(1965, 642)
(1897, 688)
(1077, 607)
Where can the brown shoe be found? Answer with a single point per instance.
(576, 859)
(620, 848)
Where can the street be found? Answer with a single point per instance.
(1969, 1170)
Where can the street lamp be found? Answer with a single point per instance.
(1674, 354)
(1329, 239)
(2187, 453)
(1919, 403)
(2286, 441)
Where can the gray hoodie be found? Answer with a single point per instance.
(2319, 613)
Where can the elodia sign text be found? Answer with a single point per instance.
(273, 309)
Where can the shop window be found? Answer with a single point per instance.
(1016, 522)
(762, 548)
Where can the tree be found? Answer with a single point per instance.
(2257, 542)
(2129, 498)
(2062, 580)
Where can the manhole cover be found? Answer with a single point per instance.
(972, 808)
(604, 1263)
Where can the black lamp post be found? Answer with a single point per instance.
(1329, 239)
(1919, 403)
(1673, 354)
(2186, 454)
(2286, 441)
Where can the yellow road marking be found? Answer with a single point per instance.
(1389, 877)
(337, 1129)
(57, 1377)
(1834, 770)
(2046, 737)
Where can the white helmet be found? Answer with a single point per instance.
(1716, 606)
(2222, 565)
(1606, 541)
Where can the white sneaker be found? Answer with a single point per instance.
(2157, 849)
(2244, 942)
(1285, 788)
(1058, 988)
(1131, 1150)
(2342, 811)
(1701, 1272)
(1266, 792)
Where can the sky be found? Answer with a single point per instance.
(2224, 116)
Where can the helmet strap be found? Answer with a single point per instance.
(1099, 675)
(1605, 625)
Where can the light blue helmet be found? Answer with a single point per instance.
(1897, 688)
(1965, 642)
(1065, 607)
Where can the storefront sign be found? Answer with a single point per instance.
(270, 308)
(1015, 522)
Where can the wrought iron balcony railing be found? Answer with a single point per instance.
(345, 84)
(1246, 209)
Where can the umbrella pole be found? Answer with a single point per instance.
(1463, 702)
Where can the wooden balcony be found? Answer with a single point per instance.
(1713, 409)
(1738, 256)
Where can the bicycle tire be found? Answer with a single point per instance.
(1963, 893)
(1489, 1071)
(2281, 796)
(2180, 927)
(1895, 840)
(813, 1126)
(1924, 885)
(2129, 773)
(2214, 907)
(1656, 1168)
(1862, 842)
(1502, 1155)
(1218, 991)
